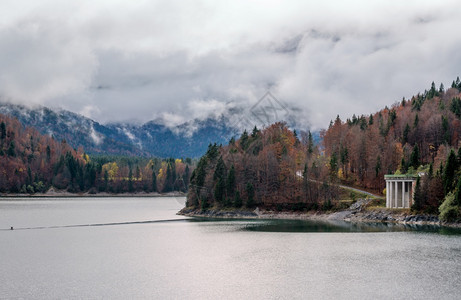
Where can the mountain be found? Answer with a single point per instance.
(189, 139)
(76, 129)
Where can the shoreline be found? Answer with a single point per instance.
(65, 194)
(381, 215)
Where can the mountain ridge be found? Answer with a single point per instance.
(152, 138)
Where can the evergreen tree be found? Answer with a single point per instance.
(354, 120)
(71, 164)
(168, 186)
(449, 172)
(295, 134)
(106, 180)
(255, 132)
(344, 156)
(29, 175)
(204, 204)
(432, 92)
(306, 181)
(2, 131)
(392, 117)
(378, 166)
(173, 172)
(130, 181)
(186, 177)
(230, 183)
(212, 152)
(48, 153)
(363, 123)
(237, 200)
(416, 122)
(154, 181)
(459, 156)
(370, 120)
(310, 143)
(138, 173)
(446, 130)
(333, 164)
(418, 196)
(403, 166)
(414, 157)
(219, 190)
(244, 141)
(11, 150)
(455, 106)
(220, 169)
(90, 174)
(250, 195)
(406, 131)
(200, 172)
(458, 193)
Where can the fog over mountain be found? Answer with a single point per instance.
(177, 61)
(153, 138)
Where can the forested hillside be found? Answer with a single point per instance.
(419, 134)
(276, 168)
(32, 163)
(269, 167)
(410, 133)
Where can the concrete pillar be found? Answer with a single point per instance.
(403, 194)
(391, 190)
(410, 193)
(396, 194)
(390, 193)
(387, 193)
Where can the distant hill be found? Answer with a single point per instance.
(189, 139)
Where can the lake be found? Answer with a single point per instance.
(138, 248)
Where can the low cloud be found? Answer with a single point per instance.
(117, 61)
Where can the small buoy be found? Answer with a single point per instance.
(11, 228)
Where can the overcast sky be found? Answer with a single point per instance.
(141, 60)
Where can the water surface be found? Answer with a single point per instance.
(176, 257)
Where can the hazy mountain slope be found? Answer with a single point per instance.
(189, 139)
(76, 129)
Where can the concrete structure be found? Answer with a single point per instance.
(400, 190)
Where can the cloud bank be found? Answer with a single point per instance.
(141, 60)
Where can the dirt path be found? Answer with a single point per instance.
(357, 190)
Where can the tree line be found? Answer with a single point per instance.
(33, 163)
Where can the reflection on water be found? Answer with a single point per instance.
(289, 225)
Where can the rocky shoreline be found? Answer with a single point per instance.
(357, 213)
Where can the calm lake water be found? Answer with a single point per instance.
(139, 248)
